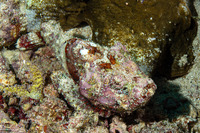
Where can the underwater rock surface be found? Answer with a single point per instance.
(157, 33)
(65, 11)
(12, 22)
(173, 108)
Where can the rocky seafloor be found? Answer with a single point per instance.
(45, 72)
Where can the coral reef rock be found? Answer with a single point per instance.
(157, 33)
(8, 125)
(49, 115)
(12, 22)
(30, 41)
(32, 80)
(66, 12)
(6, 77)
(83, 115)
(98, 129)
(118, 126)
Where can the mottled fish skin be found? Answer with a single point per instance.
(107, 77)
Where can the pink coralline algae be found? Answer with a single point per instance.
(12, 22)
(107, 77)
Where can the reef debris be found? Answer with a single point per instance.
(75, 113)
(6, 77)
(30, 41)
(66, 12)
(12, 22)
(97, 129)
(84, 114)
(118, 125)
(52, 111)
(32, 82)
(8, 125)
(181, 124)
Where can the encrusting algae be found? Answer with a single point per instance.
(157, 38)
(87, 76)
(32, 87)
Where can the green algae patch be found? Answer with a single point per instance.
(157, 33)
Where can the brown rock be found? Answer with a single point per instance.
(157, 33)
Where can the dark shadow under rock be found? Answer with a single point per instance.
(166, 104)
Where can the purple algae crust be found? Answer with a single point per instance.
(12, 22)
(107, 77)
